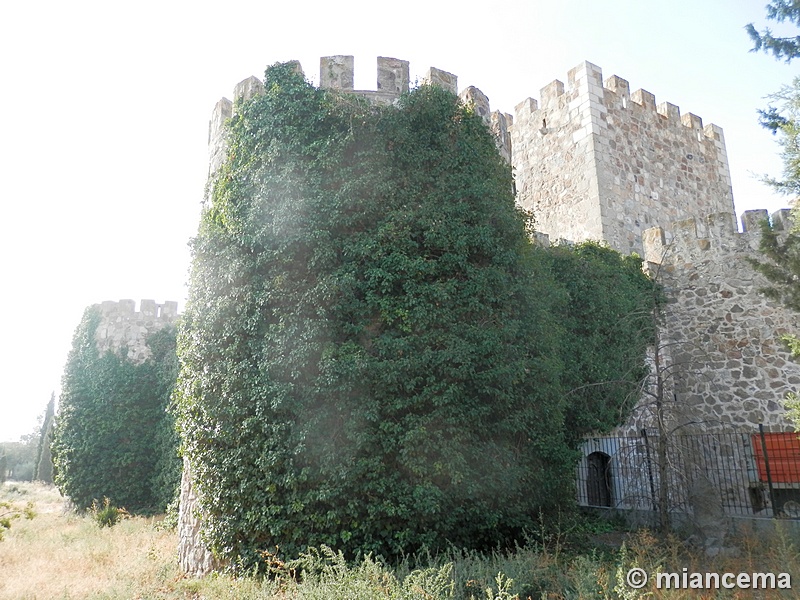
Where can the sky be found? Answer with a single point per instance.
(105, 108)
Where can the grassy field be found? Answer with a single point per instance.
(59, 555)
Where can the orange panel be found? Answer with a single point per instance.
(783, 451)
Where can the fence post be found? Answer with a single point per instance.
(769, 473)
(650, 471)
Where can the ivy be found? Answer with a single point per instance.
(113, 437)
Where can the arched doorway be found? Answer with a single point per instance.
(598, 482)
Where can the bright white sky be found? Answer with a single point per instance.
(105, 111)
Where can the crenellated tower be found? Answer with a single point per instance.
(122, 326)
(597, 162)
(338, 73)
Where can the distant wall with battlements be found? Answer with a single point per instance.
(595, 161)
(122, 326)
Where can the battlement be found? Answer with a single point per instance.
(594, 160)
(148, 309)
(688, 239)
(337, 72)
(612, 93)
(122, 326)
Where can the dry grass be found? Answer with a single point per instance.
(61, 556)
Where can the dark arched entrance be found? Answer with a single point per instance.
(598, 483)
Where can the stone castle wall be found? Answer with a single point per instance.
(595, 161)
(727, 364)
(122, 326)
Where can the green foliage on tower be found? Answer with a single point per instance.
(607, 316)
(372, 354)
(113, 437)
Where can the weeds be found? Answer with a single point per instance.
(9, 512)
(107, 515)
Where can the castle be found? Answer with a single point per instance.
(595, 161)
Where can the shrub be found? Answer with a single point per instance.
(10, 512)
(107, 515)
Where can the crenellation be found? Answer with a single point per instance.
(337, 72)
(670, 111)
(551, 94)
(473, 96)
(500, 124)
(392, 75)
(586, 77)
(714, 133)
(168, 310)
(223, 110)
(782, 219)
(620, 91)
(441, 78)
(526, 107)
(123, 328)
(217, 146)
(644, 99)
(148, 308)
(691, 121)
(127, 306)
(751, 219)
(247, 89)
(296, 67)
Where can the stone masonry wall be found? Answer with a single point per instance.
(728, 365)
(122, 326)
(594, 161)
(554, 156)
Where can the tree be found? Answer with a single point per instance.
(21, 456)
(786, 48)
(370, 353)
(44, 459)
(3, 465)
(781, 266)
(111, 437)
(782, 118)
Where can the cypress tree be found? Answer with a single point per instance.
(44, 460)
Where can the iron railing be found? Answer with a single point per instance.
(755, 473)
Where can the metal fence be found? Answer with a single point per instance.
(753, 473)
